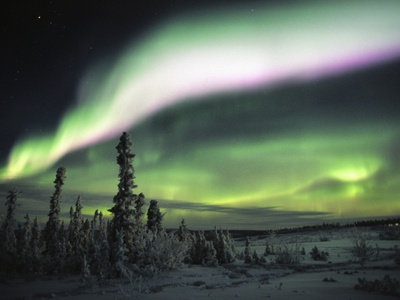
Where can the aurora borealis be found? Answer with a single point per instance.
(243, 116)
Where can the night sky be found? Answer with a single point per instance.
(243, 116)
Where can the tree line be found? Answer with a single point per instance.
(125, 245)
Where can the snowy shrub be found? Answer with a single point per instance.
(270, 244)
(361, 250)
(286, 255)
(157, 252)
(387, 286)
(318, 255)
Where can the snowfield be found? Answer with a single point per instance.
(334, 278)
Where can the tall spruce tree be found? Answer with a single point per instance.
(123, 220)
(51, 231)
(36, 246)
(154, 217)
(8, 241)
(75, 250)
(24, 250)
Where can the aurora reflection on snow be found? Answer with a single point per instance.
(331, 169)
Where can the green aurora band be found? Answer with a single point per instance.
(318, 170)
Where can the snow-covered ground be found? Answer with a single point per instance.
(331, 279)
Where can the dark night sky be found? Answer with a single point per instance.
(250, 115)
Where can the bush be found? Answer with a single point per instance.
(324, 238)
(319, 255)
(361, 250)
(387, 286)
(157, 252)
(286, 255)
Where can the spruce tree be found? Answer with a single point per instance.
(36, 246)
(24, 241)
(185, 237)
(210, 260)
(119, 252)
(154, 217)
(103, 248)
(8, 241)
(123, 214)
(199, 248)
(75, 249)
(52, 228)
(247, 252)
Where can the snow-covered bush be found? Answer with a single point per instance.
(318, 255)
(157, 252)
(387, 286)
(270, 244)
(361, 250)
(286, 255)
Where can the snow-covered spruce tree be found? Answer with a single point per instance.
(222, 244)
(185, 236)
(247, 252)
(123, 215)
(85, 272)
(102, 265)
(219, 245)
(51, 231)
(230, 247)
(119, 252)
(75, 249)
(36, 247)
(199, 248)
(62, 264)
(255, 258)
(95, 218)
(210, 259)
(94, 244)
(183, 232)
(85, 237)
(8, 241)
(24, 240)
(154, 217)
(227, 246)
